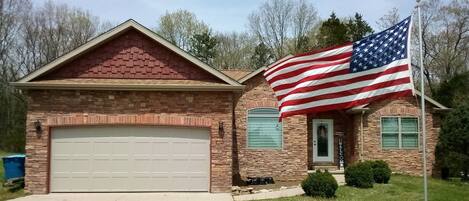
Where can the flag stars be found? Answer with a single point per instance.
(380, 49)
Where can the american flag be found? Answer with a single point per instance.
(374, 68)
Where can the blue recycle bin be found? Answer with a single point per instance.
(14, 166)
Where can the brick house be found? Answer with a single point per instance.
(129, 111)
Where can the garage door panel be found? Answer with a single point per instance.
(101, 164)
(143, 148)
(104, 159)
(143, 165)
(161, 147)
(78, 165)
(102, 148)
(198, 148)
(162, 166)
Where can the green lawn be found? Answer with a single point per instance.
(401, 188)
(4, 193)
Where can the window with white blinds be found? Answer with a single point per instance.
(399, 132)
(264, 128)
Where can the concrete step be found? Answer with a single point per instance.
(340, 178)
(330, 171)
(337, 174)
(325, 167)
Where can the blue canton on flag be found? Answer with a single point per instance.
(381, 48)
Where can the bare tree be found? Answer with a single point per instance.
(389, 19)
(52, 30)
(277, 22)
(10, 14)
(234, 51)
(305, 20)
(179, 26)
(31, 37)
(445, 32)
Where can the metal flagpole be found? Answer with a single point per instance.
(422, 100)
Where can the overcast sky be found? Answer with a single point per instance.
(227, 15)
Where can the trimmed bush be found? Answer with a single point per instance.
(381, 171)
(359, 175)
(320, 184)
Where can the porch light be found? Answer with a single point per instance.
(38, 126)
(221, 128)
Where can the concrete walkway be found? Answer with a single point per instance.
(128, 197)
(270, 195)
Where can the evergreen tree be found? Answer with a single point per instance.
(332, 32)
(357, 28)
(203, 46)
(452, 150)
(453, 91)
(262, 56)
(302, 44)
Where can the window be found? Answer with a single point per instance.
(399, 132)
(264, 128)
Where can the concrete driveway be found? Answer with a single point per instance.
(128, 197)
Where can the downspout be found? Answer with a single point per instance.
(361, 135)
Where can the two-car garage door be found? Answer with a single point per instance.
(103, 159)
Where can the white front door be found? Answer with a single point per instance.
(323, 140)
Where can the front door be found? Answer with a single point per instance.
(323, 140)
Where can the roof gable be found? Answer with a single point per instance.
(97, 71)
(236, 74)
(131, 55)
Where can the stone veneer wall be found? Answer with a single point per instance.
(408, 161)
(81, 108)
(288, 163)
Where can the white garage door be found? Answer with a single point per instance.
(103, 159)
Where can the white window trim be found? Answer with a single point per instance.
(247, 131)
(399, 133)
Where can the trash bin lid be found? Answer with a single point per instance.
(16, 156)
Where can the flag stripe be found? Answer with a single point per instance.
(333, 82)
(312, 77)
(302, 64)
(307, 67)
(288, 83)
(348, 104)
(346, 92)
(349, 98)
(324, 53)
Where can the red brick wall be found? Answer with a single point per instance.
(131, 55)
(196, 109)
(288, 163)
(407, 161)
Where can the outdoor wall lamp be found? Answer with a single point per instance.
(221, 128)
(38, 126)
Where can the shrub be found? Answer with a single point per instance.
(320, 184)
(359, 175)
(381, 171)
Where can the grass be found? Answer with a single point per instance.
(5, 194)
(401, 187)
